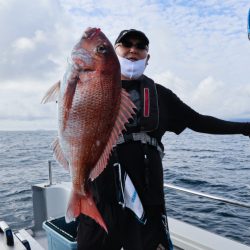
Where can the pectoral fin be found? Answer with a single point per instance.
(52, 94)
(58, 153)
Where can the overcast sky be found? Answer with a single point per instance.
(199, 49)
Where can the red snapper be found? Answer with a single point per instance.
(92, 111)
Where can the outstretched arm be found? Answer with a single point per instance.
(178, 116)
(212, 125)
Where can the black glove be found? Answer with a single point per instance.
(246, 128)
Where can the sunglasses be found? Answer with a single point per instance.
(128, 44)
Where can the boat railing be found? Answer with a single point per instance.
(50, 172)
(181, 189)
(209, 196)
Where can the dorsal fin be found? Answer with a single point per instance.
(52, 93)
(125, 112)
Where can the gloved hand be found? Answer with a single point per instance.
(246, 129)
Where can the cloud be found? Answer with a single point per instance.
(214, 97)
(23, 44)
(199, 49)
(34, 40)
(23, 102)
(210, 96)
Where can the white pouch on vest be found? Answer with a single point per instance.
(128, 196)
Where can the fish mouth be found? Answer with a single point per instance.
(86, 70)
(82, 61)
(81, 67)
(90, 33)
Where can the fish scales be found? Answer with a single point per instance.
(88, 130)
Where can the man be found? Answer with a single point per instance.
(135, 163)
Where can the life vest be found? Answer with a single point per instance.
(149, 105)
(146, 100)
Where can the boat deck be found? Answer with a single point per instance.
(183, 235)
(49, 201)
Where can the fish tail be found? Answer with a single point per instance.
(83, 204)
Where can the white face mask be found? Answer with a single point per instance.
(132, 69)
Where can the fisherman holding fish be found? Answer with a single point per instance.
(111, 141)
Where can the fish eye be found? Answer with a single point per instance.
(101, 49)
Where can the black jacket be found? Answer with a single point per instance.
(174, 116)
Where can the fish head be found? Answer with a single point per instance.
(94, 53)
(93, 59)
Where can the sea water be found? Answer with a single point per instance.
(214, 164)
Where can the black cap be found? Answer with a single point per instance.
(132, 32)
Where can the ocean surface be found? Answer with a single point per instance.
(214, 164)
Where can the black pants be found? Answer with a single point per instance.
(124, 230)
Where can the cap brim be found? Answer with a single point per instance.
(133, 33)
